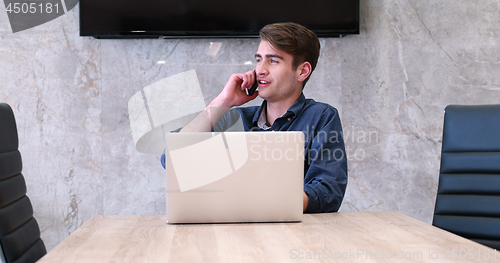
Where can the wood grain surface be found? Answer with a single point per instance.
(334, 237)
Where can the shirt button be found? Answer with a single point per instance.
(289, 119)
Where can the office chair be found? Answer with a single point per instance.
(19, 232)
(468, 197)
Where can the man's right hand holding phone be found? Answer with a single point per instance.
(234, 94)
(235, 90)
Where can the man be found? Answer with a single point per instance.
(286, 57)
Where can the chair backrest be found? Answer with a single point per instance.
(19, 232)
(468, 198)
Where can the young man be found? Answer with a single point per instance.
(286, 57)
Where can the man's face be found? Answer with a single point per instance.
(278, 81)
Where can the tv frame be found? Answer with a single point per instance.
(207, 34)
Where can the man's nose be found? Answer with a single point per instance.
(261, 69)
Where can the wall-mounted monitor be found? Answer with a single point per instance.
(213, 18)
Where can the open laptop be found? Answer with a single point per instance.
(234, 177)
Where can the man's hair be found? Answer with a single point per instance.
(294, 39)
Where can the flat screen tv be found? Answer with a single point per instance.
(213, 18)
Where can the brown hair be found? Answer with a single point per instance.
(294, 39)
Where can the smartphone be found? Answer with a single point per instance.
(255, 85)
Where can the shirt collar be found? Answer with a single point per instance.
(297, 107)
(259, 119)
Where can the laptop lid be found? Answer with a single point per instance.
(234, 177)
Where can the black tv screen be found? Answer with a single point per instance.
(213, 18)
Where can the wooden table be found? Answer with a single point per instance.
(335, 237)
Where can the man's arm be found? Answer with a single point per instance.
(233, 94)
(326, 177)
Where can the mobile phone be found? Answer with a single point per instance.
(255, 85)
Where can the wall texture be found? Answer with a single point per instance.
(390, 83)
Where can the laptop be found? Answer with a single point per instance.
(234, 177)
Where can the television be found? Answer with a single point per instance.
(213, 18)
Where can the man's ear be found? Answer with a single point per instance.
(303, 71)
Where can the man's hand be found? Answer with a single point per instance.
(234, 92)
(305, 202)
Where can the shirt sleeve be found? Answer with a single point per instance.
(231, 121)
(325, 166)
(162, 158)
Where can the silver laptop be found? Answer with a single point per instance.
(234, 177)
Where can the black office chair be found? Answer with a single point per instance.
(19, 232)
(468, 198)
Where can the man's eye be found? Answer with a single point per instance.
(274, 61)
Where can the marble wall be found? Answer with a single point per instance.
(390, 83)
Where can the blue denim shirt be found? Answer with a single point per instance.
(325, 162)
